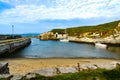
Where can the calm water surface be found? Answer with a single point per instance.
(48, 49)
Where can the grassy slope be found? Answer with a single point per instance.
(106, 29)
(58, 30)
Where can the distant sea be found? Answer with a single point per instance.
(29, 34)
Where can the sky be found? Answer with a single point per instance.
(38, 16)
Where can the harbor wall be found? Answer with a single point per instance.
(10, 46)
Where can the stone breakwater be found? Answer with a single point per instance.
(9, 46)
(61, 70)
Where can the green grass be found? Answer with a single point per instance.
(58, 30)
(99, 74)
(106, 29)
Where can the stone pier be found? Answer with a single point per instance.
(9, 46)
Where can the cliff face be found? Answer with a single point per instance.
(47, 36)
(114, 33)
(92, 37)
(104, 33)
(115, 36)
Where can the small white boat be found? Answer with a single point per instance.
(100, 45)
(64, 40)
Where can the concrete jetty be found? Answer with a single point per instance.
(9, 46)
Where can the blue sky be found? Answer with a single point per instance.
(30, 16)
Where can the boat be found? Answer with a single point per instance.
(64, 40)
(100, 45)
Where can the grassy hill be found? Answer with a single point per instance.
(104, 30)
(58, 30)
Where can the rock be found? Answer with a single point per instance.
(5, 76)
(30, 75)
(67, 70)
(46, 72)
(18, 77)
(4, 68)
(47, 36)
(117, 66)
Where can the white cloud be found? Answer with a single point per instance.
(31, 10)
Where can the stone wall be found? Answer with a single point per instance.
(11, 46)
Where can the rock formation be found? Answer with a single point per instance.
(47, 36)
(4, 68)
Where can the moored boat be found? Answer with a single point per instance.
(100, 45)
(64, 40)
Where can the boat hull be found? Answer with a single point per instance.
(99, 45)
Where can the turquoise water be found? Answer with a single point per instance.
(56, 49)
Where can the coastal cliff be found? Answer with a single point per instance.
(47, 36)
(110, 36)
(104, 33)
(53, 35)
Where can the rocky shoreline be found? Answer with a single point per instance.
(87, 37)
(110, 41)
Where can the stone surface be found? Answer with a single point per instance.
(61, 70)
(13, 45)
(30, 76)
(5, 76)
(4, 68)
(46, 72)
(18, 77)
(67, 70)
(47, 36)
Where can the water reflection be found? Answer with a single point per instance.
(48, 49)
(114, 49)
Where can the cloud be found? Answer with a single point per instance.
(4, 6)
(34, 10)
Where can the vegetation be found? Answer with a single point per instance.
(98, 74)
(58, 30)
(102, 29)
(106, 29)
